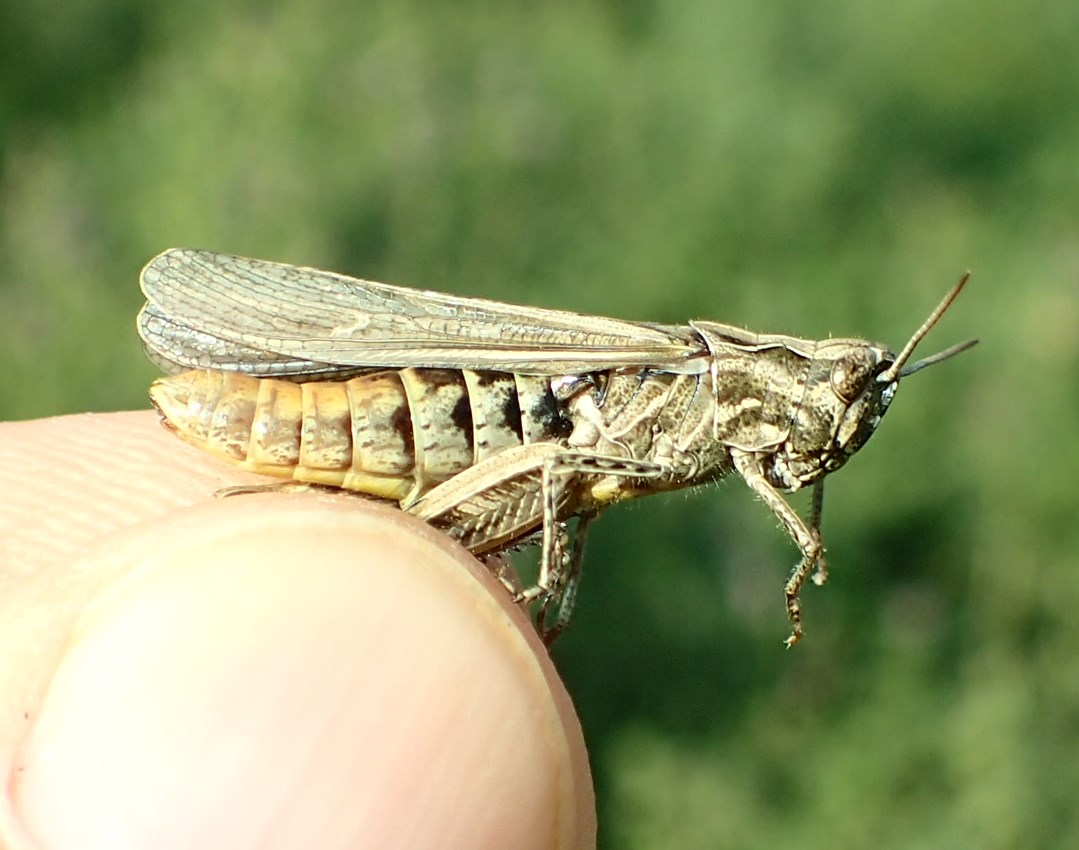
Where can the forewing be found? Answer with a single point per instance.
(221, 311)
(173, 347)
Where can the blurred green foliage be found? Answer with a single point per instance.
(817, 169)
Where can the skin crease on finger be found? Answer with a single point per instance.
(274, 670)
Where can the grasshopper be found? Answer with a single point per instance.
(499, 423)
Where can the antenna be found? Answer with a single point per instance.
(897, 370)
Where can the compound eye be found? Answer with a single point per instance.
(851, 374)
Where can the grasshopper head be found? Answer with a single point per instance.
(848, 389)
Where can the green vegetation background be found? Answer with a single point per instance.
(819, 169)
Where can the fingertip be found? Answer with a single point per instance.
(278, 670)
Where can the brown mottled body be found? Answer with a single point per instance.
(498, 422)
(398, 434)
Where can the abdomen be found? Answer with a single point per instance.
(393, 434)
